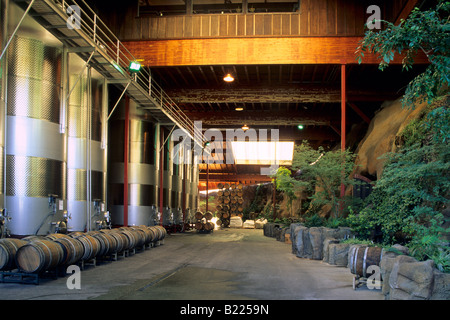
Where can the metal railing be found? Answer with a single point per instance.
(105, 40)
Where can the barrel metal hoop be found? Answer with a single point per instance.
(50, 256)
(355, 259)
(364, 262)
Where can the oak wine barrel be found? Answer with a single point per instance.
(132, 237)
(39, 255)
(361, 257)
(208, 215)
(162, 232)
(199, 226)
(147, 232)
(140, 236)
(121, 239)
(153, 234)
(91, 246)
(73, 250)
(208, 226)
(8, 250)
(54, 236)
(198, 215)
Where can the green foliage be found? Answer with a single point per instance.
(407, 201)
(439, 122)
(358, 241)
(336, 222)
(322, 173)
(314, 221)
(257, 203)
(287, 184)
(423, 31)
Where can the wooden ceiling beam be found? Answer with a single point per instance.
(234, 177)
(275, 94)
(253, 51)
(254, 118)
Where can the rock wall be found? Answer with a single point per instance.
(309, 242)
(405, 278)
(381, 135)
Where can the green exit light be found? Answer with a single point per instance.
(300, 126)
(134, 66)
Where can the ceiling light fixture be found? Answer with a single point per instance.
(228, 78)
(301, 127)
(245, 127)
(239, 108)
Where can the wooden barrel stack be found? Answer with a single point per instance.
(37, 254)
(229, 203)
(203, 221)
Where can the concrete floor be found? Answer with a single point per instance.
(231, 264)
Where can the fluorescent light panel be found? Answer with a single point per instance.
(263, 153)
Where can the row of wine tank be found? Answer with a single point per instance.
(35, 254)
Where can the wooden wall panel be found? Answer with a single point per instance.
(331, 17)
(315, 18)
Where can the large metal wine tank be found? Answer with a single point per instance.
(194, 182)
(142, 172)
(35, 164)
(86, 149)
(167, 179)
(177, 183)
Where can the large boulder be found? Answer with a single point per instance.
(326, 248)
(441, 287)
(270, 229)
(310, 242)
(389, 257)
(410, 279)
(338, 254)
(381, 135)
(405, 278)
(293, 227)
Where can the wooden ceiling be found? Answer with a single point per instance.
(279, 97)
(188, 56)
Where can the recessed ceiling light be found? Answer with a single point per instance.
(239, 108)
(228, 78)
(245, 127)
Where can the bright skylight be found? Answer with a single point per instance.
(263, 153)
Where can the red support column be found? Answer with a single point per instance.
(125, 161)
(343, 103)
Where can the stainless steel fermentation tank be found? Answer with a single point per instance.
(35, 160)
(54, 158)
(143, 168)
(86, 146)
